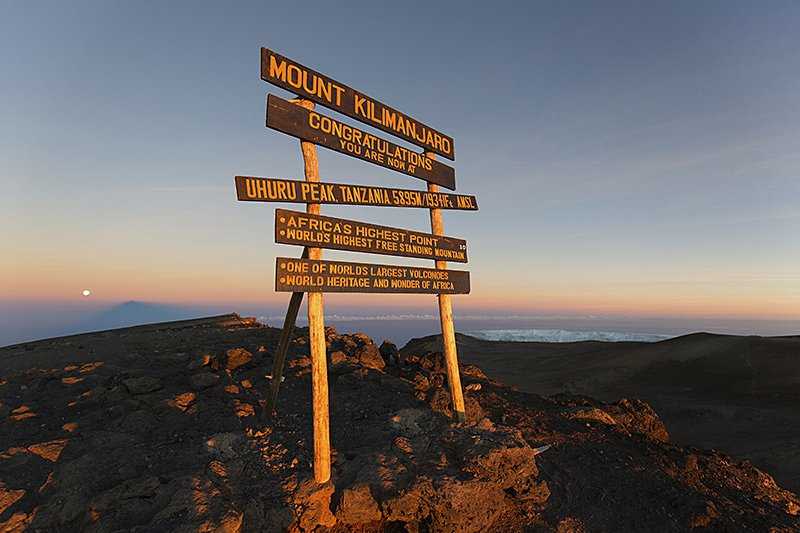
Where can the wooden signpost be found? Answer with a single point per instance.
(311, 274)
(294, 77)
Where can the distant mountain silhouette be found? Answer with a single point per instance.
(134, 313)
(23, 323)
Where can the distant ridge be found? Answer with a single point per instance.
(137, 428)
(219, 321)
(132, 313)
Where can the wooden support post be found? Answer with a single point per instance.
(316, 334)
(283, 348)
(446, 320)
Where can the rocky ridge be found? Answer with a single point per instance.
(162, 428)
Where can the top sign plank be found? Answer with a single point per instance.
(294, 77)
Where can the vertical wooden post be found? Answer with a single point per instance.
(446, 320)
(283, 347)
(316, 334)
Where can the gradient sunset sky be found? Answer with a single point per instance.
(627, 157)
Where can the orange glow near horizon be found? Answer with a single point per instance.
(765, 301)
(169, 276)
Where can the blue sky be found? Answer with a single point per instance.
(627, 157)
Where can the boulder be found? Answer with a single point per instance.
(183, 401)
(142, 384)
(338, 357)
(50, 450)
(312, 505)
(362, 338)
(636, 416)
(590, 414)
(203, 380)
(369, 356)
(199, 362)
(225, 445)
(236, 358)
(390, 353)
(357, 506)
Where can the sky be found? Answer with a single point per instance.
(628, 158)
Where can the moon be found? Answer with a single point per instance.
(86, 292)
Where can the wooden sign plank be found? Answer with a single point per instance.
(303, 229)
(294, 120)
(294, 77)
(255, 189)
(308, 275)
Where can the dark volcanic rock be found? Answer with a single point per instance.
(637, 416)
(203, 380)
(390, 353)
(357, 506)
(148, 453)
(369, 356)
(142, 385)
(237, 357)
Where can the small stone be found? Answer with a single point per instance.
(90, 367)
(71, 380)
(315, 500)
(358, 506)
(300, 362)
(183, 401)
(338, 357)
(243, 409)
(203, 380)
(390, 352)
(11, 452)
(23, 416)
(18, 523)
(473, 372)
(72, 427)
(199, 362)
(9, 497)
(486, 424)
(473, 387)
(237, 357)
(246, 384)
(218, 469)
(231, 389)
(230, 523)
(792, 508)
(362, 338)
(225, 445)
(403, 444)
(369, 356)
(50, 450)
(591, 413)
(142, 385)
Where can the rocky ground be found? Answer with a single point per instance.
(161, 428)
(737, 394)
